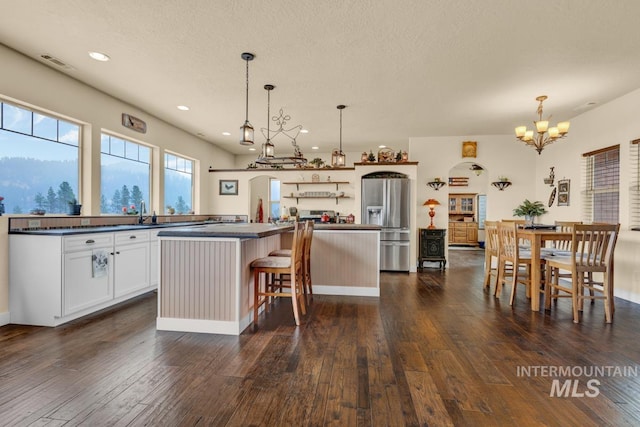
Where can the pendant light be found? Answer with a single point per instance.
(338, 158)
(246, 130)
(268, 156)
(268, 149)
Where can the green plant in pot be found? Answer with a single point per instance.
(74, 207)
(530, 210)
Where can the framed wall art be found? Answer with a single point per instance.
(469, 148)
(564, 187)
(228, 187)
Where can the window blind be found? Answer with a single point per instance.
(601, 183)
(634, 189)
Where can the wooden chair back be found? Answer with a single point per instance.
(492, 242)
(567, 227)
(508, 241)
(593, 246)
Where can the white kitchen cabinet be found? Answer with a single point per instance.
(154, 258)
(54, 279)
(131, 262)
(84, 286)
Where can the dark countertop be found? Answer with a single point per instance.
(365, 227)
(101, 229)
(227, 230)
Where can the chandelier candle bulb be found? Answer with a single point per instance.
(528, 135)
(542, 125)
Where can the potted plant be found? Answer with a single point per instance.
(74, 207)
(530, 210)
(317, 162)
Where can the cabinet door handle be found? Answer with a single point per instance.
(132, 237)
(111, 253)
(90, 241)
(117, 252)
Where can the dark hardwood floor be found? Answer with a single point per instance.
(434, 349)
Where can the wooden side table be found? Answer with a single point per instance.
(431, 247)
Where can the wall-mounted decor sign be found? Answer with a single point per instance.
(134, 123)
(469, 148)
(458, 181)
(563, 192)
(228, 187)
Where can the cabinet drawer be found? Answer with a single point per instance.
(133, 236)
(87, 241)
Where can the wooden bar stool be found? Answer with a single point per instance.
(279, 265)
(306, 257)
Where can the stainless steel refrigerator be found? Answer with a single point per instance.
(386, 201)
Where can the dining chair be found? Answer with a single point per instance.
(491, 246)
(271, 266)
(592, 250)
(566, 227)
(512, 260)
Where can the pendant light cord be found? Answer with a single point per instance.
(247, 94)
(341, 131)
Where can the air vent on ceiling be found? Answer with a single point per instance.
(55, 61)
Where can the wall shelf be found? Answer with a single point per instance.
(316, 197)
(299, 183)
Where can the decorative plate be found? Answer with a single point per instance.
(552, 196)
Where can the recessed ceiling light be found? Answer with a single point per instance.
(304, 131)
(252, 149)
(315, 148)
(226, 133)
(99, 56)
(382, 146)
(183, 108)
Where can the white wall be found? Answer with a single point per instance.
(39, 86)
(613, 123)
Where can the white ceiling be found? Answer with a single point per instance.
(403, 68)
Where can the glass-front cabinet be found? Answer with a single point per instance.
(462, 204)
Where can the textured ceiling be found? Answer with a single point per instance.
(403, 68)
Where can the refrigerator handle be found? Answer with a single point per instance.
(385, 197)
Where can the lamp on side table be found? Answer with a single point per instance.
(432, 203)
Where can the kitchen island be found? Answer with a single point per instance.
(206, 283)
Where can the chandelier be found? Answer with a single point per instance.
(246, 129)
(338, 158)
(545, 135)
(268, 155)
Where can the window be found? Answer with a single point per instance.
(274, 199)
(38, 161)
(634, 190)
(124, 175)
(178, 183)
(601, 201)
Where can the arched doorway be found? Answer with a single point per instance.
(468, 185)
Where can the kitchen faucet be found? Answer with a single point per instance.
(142, 208)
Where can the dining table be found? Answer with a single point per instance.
(538, 238)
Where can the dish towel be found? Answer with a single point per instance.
(99, 262)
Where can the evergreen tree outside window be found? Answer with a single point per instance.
(39, 160)
(178, 183)
(125, 175)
